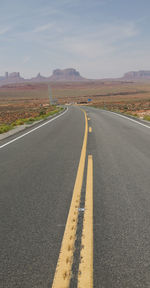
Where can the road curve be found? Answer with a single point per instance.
(38, 174)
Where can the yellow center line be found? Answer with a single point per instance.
(85, 276)
(63, 269)
(90, 129)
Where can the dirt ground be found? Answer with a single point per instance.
(22, 101)
(28, 100)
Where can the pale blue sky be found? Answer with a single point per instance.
(100, 38)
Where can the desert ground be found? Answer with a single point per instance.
(29, 99)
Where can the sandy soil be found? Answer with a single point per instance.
(28, 100)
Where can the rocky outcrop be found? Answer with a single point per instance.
(39, 78)
(11, 78)
(137, 75)
(13, 75)
(69, 74)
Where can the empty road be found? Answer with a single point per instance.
(75, 203)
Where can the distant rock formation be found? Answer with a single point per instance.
(137, 75)
(69, 74)
(39, 78)
(11, 78)
(12, 75)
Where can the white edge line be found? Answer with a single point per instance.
(129, 119)
(21, 136)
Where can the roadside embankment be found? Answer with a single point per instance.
(21, 124)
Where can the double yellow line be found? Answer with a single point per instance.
(64, 265)
(85, 277)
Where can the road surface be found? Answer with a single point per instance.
(103, 161)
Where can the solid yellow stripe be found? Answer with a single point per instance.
(85, 277)
(90, 129)
(63, 270)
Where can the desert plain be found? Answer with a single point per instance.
(25, 100)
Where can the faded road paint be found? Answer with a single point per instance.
(64, 265)
(85, 277)
(90, 129)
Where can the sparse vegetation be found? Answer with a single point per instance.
(26, 103)
(5, 128)
(146, 117)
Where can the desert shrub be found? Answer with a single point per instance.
(19, 122)
(42, 112)
(5, 128)
(125, 107)
(146, 117)
(135, 115)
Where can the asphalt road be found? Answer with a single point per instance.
(37, 176)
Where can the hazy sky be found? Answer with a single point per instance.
(100, 38)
